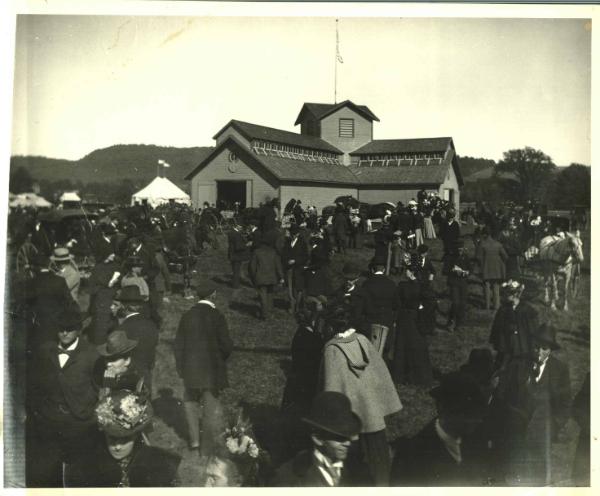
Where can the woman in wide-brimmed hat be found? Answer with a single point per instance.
(116, 371)
(124, 459)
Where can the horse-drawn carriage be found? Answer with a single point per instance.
(42, 234)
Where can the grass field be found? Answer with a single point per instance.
(256, 367)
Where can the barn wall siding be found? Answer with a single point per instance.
(451, 182)
(319, 196)
(387, 195)
(217, 170)
(363, 131)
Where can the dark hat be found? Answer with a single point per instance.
(294, 229)
(134, 261)
(350, 271)
(459, 392)
(129, 294)
(123, 413)
(61, 255)
(332, 412)
(378, 260)
(117, 343)
(546, 335)
(422, 249)
(480, 365)
(204, 287)
(70, 319)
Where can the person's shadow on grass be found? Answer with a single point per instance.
(170, 410)
(244, 308)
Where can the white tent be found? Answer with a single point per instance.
(160, 191)
(69, 196)
(29, 200)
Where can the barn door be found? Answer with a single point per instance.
(205, 192)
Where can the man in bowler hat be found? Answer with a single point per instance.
(436, 456)
(333, 426)
(537, 391)
(128, 306)
(61, 397)
(202, 346)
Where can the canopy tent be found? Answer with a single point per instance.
(30, 200)
(160, 191)
(69, 196)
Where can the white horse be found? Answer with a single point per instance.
(560, 256)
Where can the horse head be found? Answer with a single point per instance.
(576, 246)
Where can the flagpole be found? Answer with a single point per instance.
(337, 41)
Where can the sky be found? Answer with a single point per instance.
(88, 82)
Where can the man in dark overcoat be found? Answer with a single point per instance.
(449, 231)
(265, 272)
(438, 454)
(333, 426)
(294, 258)
(237, 253)
(202, 346)
(47, 295)
(380, 300)
(537, 391)
(127, 307)
(102, 289)
(144, 249)
(61, 397)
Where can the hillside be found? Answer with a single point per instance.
(115, 164)
(470, 166)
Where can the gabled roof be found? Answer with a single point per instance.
(254, 131)
(322, 110)
(286, 169)
(404, 146)
(282, 169)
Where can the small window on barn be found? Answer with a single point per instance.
(346, 128)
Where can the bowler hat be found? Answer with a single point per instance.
(61, 255)
(129, 294)
(480, 365)
(459, 392)
(546, 335)
(117, 343)
(204, 287)
(350, 271)
(134, 261)
(332, 412)
(70, 319)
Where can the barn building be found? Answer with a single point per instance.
(334, 155)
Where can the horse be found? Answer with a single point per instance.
(560, 256)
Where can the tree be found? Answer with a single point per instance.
(572, 186)
(20, 181)
(532, 169)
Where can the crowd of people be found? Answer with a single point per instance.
(360, 334)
